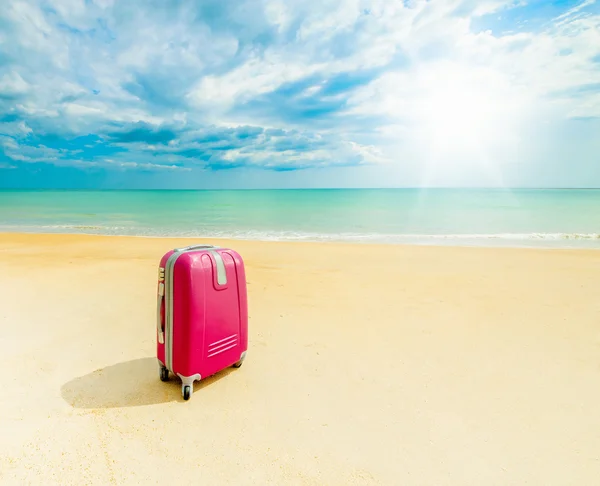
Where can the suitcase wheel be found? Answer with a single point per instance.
(239, 363)
(186, 392)
(164, 374)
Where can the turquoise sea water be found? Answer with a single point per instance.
(552, 218)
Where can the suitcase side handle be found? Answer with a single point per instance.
(159, 321)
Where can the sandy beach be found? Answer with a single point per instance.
(367, 364)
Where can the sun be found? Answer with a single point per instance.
(457, 122)
(453, 117)
(463, 110)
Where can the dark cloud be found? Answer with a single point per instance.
(142, 132)
(215, 148)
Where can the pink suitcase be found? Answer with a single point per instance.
(202, 313)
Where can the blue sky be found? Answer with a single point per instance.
(287, 93)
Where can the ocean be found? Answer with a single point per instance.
(564, 218)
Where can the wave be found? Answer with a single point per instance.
(554, 239)
(513, 236)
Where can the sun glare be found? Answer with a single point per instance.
(463, 111)
(454, 118)
(461, 122)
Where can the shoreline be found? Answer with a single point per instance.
(437, 241)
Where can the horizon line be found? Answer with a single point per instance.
(297, 188)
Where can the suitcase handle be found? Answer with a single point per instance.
(195, 247)
(159, 321)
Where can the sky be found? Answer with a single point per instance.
(287, 93)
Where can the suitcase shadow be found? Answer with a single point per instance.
(129, 384)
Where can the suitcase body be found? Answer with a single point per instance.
(202, 313)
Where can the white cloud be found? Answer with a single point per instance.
(146, 165)
(570, 13)
(17, 129)
(255, 77)
(86, 65)
(13, 84)
(76, 109)
(36, 34)
(370, 153)
(480, 99)
(27, 153)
